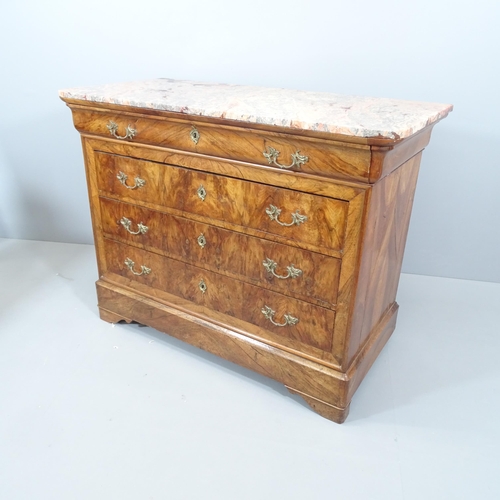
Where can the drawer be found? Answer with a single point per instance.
(264, 148)
(281, 315)
(294, 215)
(307, 275)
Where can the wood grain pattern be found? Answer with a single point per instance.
(91, 171)
(367, 355)
(224, 123)
(326, 410)
(356, 192)
(227, 252)
(349, 277)
(336, 160)
(308, 183)
(240, 202)
(314, 325)
(386, 228)
(386, 159)
(326, 390)
(223, 320)
(111, 317)
(297, 372)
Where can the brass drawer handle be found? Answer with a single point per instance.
(270, 266)
(141, 228)
(272, 156)
(269, 314)
(130, 264)
(122, 177)
(274, 213)
(130, 132)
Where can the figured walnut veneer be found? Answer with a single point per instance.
(195, 266)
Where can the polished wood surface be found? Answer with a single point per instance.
(386, 159)
(221, 251)
(357, 196)
(387, 223)
(314, 323)
(159, 114)
(244, 204)
(336, 160)
(225, 321)
(295, 371)
(309, 183)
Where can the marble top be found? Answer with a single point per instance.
(302, 110)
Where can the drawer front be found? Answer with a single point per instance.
(276, 150)
(282, 316)
(297, 216)
(289, 270)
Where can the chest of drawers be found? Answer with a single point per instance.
(266, 226)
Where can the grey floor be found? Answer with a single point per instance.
(90, 410)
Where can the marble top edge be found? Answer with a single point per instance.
(367, 117)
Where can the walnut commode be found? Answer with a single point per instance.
(267, 226)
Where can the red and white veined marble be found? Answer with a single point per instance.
(303, 110)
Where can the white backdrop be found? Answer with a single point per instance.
(430, 50)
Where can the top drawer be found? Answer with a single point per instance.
(294, 215)
(276, 150)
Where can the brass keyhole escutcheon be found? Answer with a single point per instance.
(202, 286)
(195, 135)
(202, 240)
(201, 192)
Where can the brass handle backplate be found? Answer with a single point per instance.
(122, 177)
(130, 264)
(270, 266)
(274, 213)
(272, 157)
(269, 314)
(130, 132)
(141, 228)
